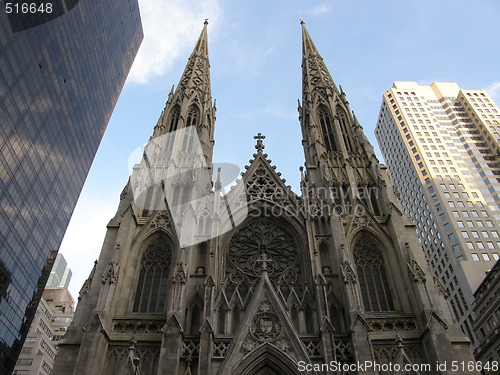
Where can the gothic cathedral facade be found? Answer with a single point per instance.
(264, 281)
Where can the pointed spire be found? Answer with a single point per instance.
(314, 71)
(196, 75)
(308, 47)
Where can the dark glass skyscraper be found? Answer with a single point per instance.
(60, 77)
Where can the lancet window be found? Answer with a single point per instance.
(151, 292)
(193, 116)
(174, 118)
(344, 126)
(191, 132)
(372, 276)
(327, 129)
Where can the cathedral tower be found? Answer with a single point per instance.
(259, 280)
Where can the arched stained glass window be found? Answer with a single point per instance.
(192, 116)
(174, 118)
(372, 276)
(151, 293)
(327, 130)
(344, 126)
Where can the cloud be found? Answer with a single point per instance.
(171, 27)
(494, 91)
(251, 58)
(84, 238)
(320, 9)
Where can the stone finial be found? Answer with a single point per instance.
(264, 260)
(260, 145)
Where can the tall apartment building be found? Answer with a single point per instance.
(53, 316)
(60, 276)
(440, 144)
(61, 72)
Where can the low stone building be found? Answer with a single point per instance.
(487, 323)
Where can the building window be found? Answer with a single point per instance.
(372, 276)
(327, 130)
(174, 118)
(485, 256)
(151, 289)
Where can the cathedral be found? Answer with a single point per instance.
(194, 280)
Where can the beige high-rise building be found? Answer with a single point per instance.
(52, 318)
(440, 144)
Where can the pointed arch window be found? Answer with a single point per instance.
(175, 114)
(327, 130)
(191, 132)
(372, 276)
(193, 116)
(151, 292)
(345, 130)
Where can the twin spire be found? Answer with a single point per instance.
(196, 75)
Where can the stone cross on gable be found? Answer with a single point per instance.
(260, 145)
(264, 260)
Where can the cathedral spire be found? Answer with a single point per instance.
(197, 71)
(190, 104)
(315, 74)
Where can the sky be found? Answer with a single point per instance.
(255, 56)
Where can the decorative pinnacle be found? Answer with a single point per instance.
(259, 146)
(206, 21)
(302, 21)
(264, 260)
(399, 340)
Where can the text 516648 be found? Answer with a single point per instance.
(28, 7)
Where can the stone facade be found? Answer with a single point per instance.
(487, 309)
(263, 281)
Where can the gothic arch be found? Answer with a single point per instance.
(267, 360)
(193, 116)
(377, 291)
(345, 127)
(154, 270)
(173, 118)
(327, 128)
(325, 256)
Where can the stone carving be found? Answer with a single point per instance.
(386, 354)
(348, 274)
(342, 348)
(137, 326)
(265, 327)
(258, 237)
(180, 275)
(219, 348)
(190, 349)
(283, 345)
(158, 254)
(111, 274)
(440, 287)
(393, 324)
(312, 348)
(361, 221)
(248, 345)
(417, 274)
(162, 221)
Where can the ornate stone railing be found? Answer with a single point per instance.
(137, 325)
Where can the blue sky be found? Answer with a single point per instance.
(255, 56)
